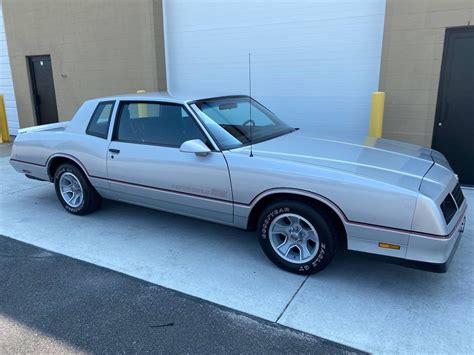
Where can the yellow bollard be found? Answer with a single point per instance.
(142, 108)
(5, 135)
(376, 114)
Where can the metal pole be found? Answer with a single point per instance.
(5, 135)
(376, 114)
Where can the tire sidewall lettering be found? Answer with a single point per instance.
(300, 268)
(268, 219)
(58, 175)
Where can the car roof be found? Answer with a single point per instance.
(156, 95)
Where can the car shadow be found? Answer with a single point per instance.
(347, 266)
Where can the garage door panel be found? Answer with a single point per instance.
(6, 82)
(315, 64)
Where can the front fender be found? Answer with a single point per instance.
(359, 199)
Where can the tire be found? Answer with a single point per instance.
(69, 177)
(297, 237)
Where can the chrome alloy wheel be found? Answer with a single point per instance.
(71, 190)
(294, 238)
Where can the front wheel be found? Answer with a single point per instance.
(74, 191)
(297, 237)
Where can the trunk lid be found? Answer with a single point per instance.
(59, 126)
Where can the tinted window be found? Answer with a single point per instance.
(100, 120)
(154, 123)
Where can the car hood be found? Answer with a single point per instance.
(384, 160)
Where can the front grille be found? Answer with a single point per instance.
(458, 195)
(448, 207)
(452, 203)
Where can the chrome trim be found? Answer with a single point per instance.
(203, 127)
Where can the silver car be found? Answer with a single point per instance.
(230, 160)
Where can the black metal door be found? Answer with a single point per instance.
(44, 96)
(453, 133)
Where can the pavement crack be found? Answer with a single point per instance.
(28, 256)
(291, 299)
(21, 190)
(162, 325)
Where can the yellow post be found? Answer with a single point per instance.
(376, 114)
(142, 108)
(5, 135)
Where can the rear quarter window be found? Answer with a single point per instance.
(100, 120)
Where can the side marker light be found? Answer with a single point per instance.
(389, 246)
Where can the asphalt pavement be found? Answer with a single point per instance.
(50, 303)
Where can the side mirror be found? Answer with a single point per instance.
(195, 146)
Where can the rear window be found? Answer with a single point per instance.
(100, 120)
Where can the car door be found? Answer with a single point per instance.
(145, 165)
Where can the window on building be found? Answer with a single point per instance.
(100, 120)
(156, 123)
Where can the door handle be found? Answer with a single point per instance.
(115, 151)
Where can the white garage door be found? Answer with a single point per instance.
(314, 63)
(6, 83)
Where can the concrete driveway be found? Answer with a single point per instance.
(360, 302)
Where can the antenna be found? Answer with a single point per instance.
(250, 105)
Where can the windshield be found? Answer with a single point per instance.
(235, 121)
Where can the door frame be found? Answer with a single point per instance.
(190, 112)
(165, 199)
(450, 31)
(34, 90)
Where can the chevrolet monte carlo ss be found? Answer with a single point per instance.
(306, 197)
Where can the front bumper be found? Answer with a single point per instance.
(435, 253)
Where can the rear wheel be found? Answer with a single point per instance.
(297, 237)
(74, 191)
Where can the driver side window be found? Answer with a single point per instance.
(154, 123)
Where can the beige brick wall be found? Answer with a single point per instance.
(411, 63)
(97, 48)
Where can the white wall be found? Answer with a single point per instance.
(314, 63)
(6, 83)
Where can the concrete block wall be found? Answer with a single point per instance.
(97, 48)
(411, 63)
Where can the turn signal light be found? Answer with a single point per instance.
(389, 246)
